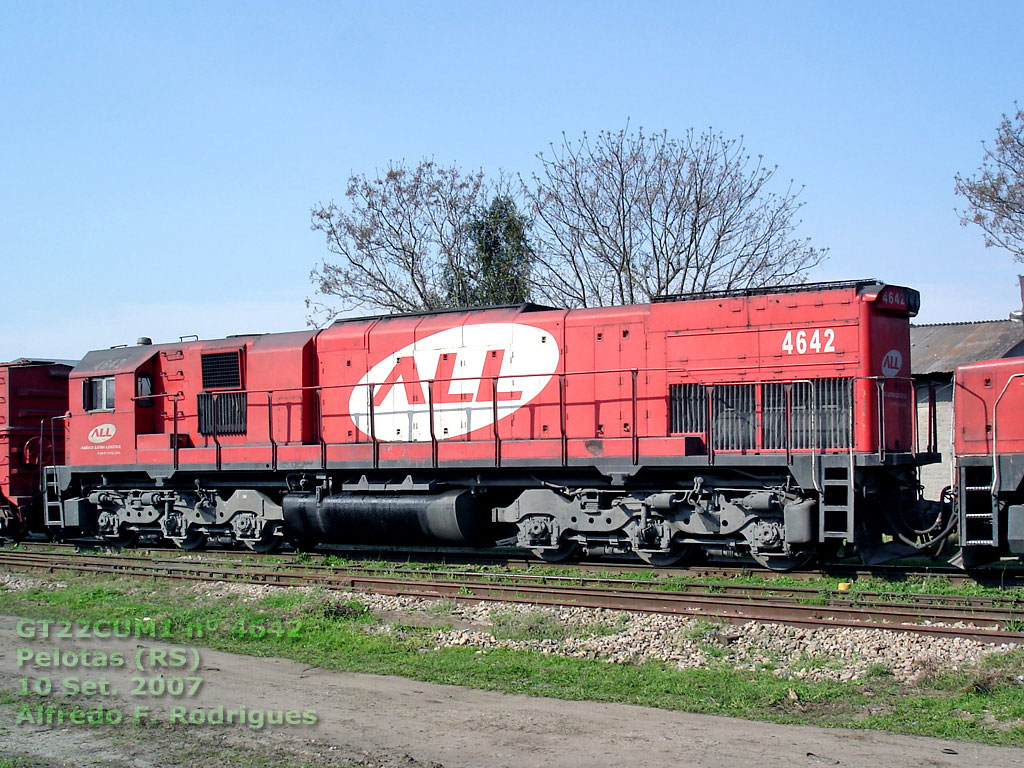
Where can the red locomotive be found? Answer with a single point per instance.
(776, 423)
(988, 442)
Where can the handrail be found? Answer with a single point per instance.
(995, 433)
(53, 447)
(932, 425)
(563, 431)
(635, 434)
(494, 422)
(430, 421)
(176, 446)
(174, 396)
(787, 418)
(374, 441)
(709, 423)
(216, 438)
(318, 425)
(270, 430)
(880, 388)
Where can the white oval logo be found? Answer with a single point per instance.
(101, 433)
(479, 372)
(892, 363)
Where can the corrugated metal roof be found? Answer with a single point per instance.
(941, 348)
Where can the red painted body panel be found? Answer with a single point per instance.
(516, 384)
(988, 401)
(31, 394)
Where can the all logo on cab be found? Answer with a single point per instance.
(101, 433)
(466, 375)
(892, 363)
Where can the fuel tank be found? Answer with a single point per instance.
(451, 517)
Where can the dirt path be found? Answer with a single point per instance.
(366, 719)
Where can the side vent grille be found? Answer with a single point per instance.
(819, 414)
(688, 408)
(222, 413)
(735, 420)
(733, 414)
(222, 370)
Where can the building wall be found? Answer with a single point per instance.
(935, 477)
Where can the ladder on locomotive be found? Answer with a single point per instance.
(980, 515)
(53, 503)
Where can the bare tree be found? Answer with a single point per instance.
(398, 239)
(996, 194)
(629, 216)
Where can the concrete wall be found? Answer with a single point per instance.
(935, 477)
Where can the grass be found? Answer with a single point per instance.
(534, 625)
(980, 704)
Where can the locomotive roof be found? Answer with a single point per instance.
(527, 306)
(117, 359)
(733, 292)
(770, 289)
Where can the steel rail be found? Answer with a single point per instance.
(752, 606)
(1001, 576)
(966, 606)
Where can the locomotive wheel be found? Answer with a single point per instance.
(675, 554)
(566, 551)
(192, 542)
(783, 563)
(123, 539)
(263, 545)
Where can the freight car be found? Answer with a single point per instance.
(32, 392)
(776, 423)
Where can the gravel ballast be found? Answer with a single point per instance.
(837, 654)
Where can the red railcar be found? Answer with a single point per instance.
(772, 422)
(988, 443)
(31, 392)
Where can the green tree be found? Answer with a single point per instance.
(995, 195)
(395, 240)
(497, 268)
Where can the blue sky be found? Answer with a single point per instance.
(159, 161)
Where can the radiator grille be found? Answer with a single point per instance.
(222, 413)
(819, 414)
(735, 420)
(222, 370)
(688, 408)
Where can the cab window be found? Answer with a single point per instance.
(144, 390)
(98, 394)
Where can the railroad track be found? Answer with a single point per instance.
(989, 619)
(1003, 576)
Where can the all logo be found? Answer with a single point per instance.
(892, 363)
(101, 433)
(468, 376)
